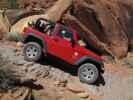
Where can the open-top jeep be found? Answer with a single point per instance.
(44, 37)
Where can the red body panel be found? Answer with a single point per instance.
(62, 48)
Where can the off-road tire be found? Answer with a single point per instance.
(85, 71)
(37, 55)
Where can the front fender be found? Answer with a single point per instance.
(89, 59)
(34, 38)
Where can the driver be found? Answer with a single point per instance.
(82, 43)
(49, 27)
(45, 26)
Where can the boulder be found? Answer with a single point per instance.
(35, 4)
(76, 88)
(105, 24)
(83, 95)
(14, 15)
(1, 34)
(4, 24)
(56, 12)
(131, 45)
(19, 26)
(52, 14)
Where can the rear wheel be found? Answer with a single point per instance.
(88, 73)
(32, 51)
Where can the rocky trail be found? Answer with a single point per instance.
(50, 80)
(105, 24)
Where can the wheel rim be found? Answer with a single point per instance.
(88, 73)
(31, 51)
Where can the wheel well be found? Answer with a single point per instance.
(34, 39)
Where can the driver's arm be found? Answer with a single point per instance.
(81, 43)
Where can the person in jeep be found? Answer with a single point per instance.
(44, 26)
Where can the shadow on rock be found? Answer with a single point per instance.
(72, 70)
(58, 63)
(29, 84)
(100, 81)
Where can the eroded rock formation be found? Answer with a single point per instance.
(104, 24)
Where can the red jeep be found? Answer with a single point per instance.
(44, 37)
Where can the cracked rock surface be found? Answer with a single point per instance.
(47, 80)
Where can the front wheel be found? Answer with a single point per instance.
(32, 51)
(88, 73)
